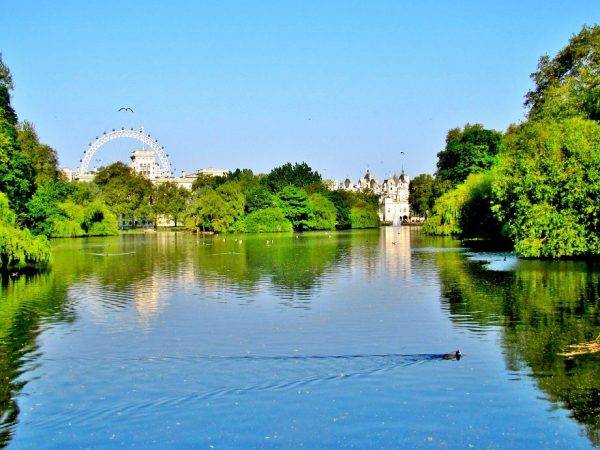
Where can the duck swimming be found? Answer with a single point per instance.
(454, 355)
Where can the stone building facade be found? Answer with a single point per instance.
(392, 193)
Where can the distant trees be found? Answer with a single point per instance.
(361, 216)
(292, 196)
(170, 201)
(423, 191)
(267, 220)
(294, 204)
(126, 193)
(299, 175)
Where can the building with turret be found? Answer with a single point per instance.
(392, 193)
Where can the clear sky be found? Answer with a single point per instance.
(341, 85)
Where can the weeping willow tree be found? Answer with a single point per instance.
(18, 247)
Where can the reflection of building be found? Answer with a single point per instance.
(395, 243)
(392, 192)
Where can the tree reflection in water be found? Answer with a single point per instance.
(542, 306)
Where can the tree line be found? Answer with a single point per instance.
(290, 197)
(38, 203)
(536, 185)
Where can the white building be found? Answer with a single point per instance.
(144, 163)
(392, 192)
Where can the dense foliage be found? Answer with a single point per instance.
(543, 190)
(290, 197)
(423, 191)
(299, 175)
(548, 188)
(465, 210)
(18, 247)
(470, 150)
(570, 80)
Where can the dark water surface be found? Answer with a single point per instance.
(317, 341)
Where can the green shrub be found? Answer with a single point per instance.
(466, 210)
(547, 191)
(266, 221)
(322, 213)
(19, 248)
(94, 219)
(364, 217)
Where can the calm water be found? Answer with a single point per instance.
(317, 341)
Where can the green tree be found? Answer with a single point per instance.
(126, 193)
(208, 212)
(16, 175)
(363, 215)
(342, 200)
(93, 219)
(298, 175)
(294, 203)
(466, 210)
(547, 192)
(231, 194)
(18, 247)
(420, 194)
(42, 157)
(258, 197)
(266, 220)
(470, 150)
(44, 206)
(322, 213)
(170, 201)
(205, 180)
(6, 86)
(245, 178)
(568, 83)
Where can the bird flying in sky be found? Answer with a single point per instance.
(123, 108)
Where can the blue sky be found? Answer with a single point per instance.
(340, 84)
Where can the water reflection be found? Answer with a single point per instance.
(542, 307)
(144, 285)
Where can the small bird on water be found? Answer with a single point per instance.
(455, 355)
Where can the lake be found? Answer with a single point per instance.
(316, 340)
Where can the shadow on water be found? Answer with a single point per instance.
(541, 306)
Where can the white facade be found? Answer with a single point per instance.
(144, 163)
(392, 192)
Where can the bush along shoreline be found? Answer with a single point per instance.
(537, 185)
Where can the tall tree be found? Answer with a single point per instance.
(6, 86)
(125, 192)
(420, 194)
(16, 174)
(570, 78)
(470, 150)
(170, 201)
(294, 203)
(299, 175)
(43, 157)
